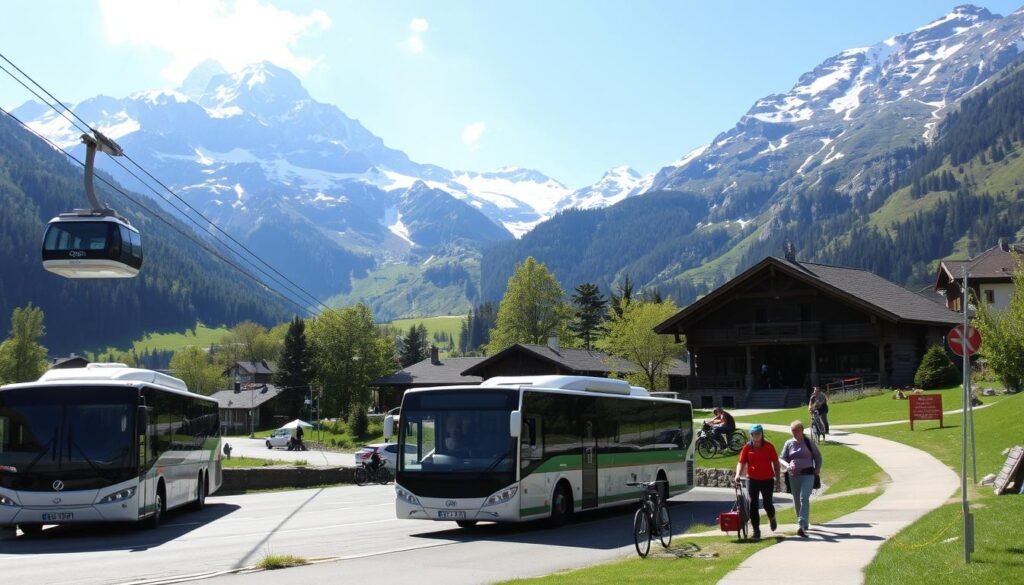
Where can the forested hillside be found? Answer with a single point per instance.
(179, 283)
(954, 197)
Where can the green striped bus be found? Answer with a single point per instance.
(517, 449)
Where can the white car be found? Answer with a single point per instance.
(387, 452)
(279, 438)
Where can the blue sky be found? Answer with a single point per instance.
(569, 88)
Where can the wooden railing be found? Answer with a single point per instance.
(716, 383)
(778, 330)
(850, 382)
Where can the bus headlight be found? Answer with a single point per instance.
(407, 497)
(502, 496)
(118, 496)
(5, 501)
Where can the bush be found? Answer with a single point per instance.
(358, 421)
(936, 370)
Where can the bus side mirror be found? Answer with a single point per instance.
(142, 420)
(515, 423)
(389, 427)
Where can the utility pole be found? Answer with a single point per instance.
(968, 519)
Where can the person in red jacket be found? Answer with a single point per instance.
(760, 462)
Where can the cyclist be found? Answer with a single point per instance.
(818, 402)
(374, 464)
(722, 426)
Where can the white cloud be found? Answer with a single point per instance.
(414, 43)
(233, 32)
(472, 134)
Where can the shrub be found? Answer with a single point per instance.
(358, 421)
(936, 370)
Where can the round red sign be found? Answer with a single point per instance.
(956, 340)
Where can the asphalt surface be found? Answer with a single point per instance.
(355, 523)
(257, 449)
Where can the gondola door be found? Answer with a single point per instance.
(589, 465)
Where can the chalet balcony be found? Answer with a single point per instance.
(779, 331)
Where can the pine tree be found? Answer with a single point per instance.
(294, 372)
(588, 313)
(414, 346)
(622, 300)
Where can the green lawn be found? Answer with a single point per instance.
(199, 336)
(249, 462)
(843, 468)
(446, 324)
(880, 408)
(930, 550)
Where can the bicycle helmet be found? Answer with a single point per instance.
(756, 428)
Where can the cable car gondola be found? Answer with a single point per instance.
(97, 242)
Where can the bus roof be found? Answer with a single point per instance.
(108, 374)
(575, 384)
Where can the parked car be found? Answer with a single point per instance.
(387, 452)
(279, 439)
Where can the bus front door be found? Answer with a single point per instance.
(589, 466)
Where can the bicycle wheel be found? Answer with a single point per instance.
(664, 526)
(706, 448)
(360, 476)
(383, 475)
(736, 442)
(641, 532)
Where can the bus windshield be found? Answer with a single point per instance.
(458, 431)
(83, 436)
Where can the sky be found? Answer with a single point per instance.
(570, 88)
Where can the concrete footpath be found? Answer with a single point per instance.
(837, 552)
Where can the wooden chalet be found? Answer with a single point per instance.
(764, 338)
(990, 276)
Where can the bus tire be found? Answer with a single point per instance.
(561, 506)
(200, 501)
(466, 523)
(153, 522)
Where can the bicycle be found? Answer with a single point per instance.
(817, 427)
(365, 474)
(708, 446)
(651, 519)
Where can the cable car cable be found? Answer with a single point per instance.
(293, 289)
(190, 237)
(294, 286)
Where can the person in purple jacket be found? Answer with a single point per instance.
(803, 460)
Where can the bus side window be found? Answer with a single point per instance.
(533, 438)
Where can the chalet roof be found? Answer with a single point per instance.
(995, 264)
(864, 289)
(448, 371)
(578, 360)
(248, 396)
(254, 368)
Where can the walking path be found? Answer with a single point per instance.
(920, 483)
(896, 422)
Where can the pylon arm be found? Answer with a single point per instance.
(92, 143)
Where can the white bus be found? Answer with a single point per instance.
(104, 443)
(524, 448)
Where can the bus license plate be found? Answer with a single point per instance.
(58, 517)
(451, 514)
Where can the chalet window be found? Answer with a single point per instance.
(990, 296)
(760, 314)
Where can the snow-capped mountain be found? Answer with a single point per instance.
(616, 185)
(839, 118)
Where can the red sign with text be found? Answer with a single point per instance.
(925, 407)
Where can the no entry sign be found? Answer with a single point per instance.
(956, 338)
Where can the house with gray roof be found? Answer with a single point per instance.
(989, 276)
(249, 407)
(433, 371)
(764, 338)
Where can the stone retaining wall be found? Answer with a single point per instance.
(720, 478)
(261, 478)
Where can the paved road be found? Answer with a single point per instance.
(257, 449)
(353, 522)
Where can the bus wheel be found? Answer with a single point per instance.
(466, 523)
(200, 494)
(31, 530)
(153, 521)
(561, 506)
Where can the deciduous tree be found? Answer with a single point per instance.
(532, 309)
(22, 358)
(1002, 334)
(631, 336)
(194, 366)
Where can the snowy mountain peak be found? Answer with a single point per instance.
(514, 174)
(614, 186)
(963, 15)
(620, 172)
(262, 89)
(198, 80)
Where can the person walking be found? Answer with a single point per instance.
(803, 462)
(299, 446)
(819, 402)
(760, 462)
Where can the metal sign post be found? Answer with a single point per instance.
(968, 533)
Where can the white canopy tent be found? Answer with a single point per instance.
(296, 423)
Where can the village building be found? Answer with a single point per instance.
(990, 276)
(764, 338)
